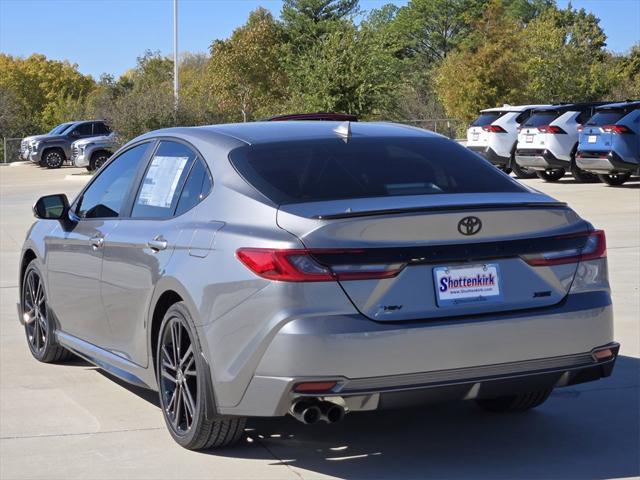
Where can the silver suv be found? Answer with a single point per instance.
(53, 150)
(315, 269)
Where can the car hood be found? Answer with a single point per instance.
(52, 138)
(34, 137)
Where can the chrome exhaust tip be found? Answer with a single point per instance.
(331, 412)
(306, 413)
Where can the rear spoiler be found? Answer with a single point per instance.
(445, 208)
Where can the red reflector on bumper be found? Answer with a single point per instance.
(602, 354)
(314, 386)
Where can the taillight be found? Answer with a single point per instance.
(619, 129)
(551, 129)
(494, 129)
(580, 128)
(595, 247)
(298, 265)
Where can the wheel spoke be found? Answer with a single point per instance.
(173, 344)
(167, 358)
(168, 376)
(178, 409)
(186, 356)
(189, 402)
(172, 400)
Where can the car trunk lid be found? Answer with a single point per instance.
(426, 240)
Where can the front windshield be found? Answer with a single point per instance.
(60, 129)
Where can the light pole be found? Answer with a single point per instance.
(176, 81)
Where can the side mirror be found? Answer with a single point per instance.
(51, 207)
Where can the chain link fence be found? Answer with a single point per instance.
(10, 150)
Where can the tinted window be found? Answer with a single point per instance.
(196, 188)
(162, 183)
(606, 117)
(106, 195)
(523, 116)
(100, 128)
(60, 128)
(487, 118)
(542, 118)
(82, 130)
(329, 169)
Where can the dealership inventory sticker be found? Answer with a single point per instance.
(161, 181)
(477, 283)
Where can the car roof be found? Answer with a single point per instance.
(318, 116)
(513, 108)
(282, 131)
(631, 103)
(569, 107)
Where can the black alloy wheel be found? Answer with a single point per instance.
(38, 324)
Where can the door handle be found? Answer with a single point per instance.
(157, 244)
(97, 242)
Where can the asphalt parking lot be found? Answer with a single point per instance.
(73, 421)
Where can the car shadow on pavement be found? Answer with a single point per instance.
(586, 431)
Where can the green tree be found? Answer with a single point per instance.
(564, 57)
(305, 21)
(38, 83)
(348, 70)
(245, 74)
(485, 72)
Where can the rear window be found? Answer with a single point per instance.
(541, 118)
(330, 169)
(487, 118)
(606, 117)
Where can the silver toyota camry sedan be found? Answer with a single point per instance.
(315, 269)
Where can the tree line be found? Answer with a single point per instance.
(428, 59)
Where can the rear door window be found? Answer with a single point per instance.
(606, 117)
(330, 169)
(99, 128)
(542, 118)
(487, 118)
(83, 130)
(162, 183)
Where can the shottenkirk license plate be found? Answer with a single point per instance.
(475, 136)
(592, 139)
(529, 139)
(469, 284)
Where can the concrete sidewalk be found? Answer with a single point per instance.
(73, 421)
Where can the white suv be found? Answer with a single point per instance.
(548, 140)
(494, 134)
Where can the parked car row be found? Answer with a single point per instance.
(594, 141)
(86, 143)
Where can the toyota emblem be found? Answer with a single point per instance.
(469, 225)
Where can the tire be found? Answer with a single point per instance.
(514, 403)
(551, 175)
(53, 158)
(97, 160)
(582, 176)
(614, 179)
(521, 172)
(39, 325)
(182, 381)
(505, 169)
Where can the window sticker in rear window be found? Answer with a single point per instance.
(161, 181)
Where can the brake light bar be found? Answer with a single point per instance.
(494, 129)
(619, 129)
(299, 265)
(551, 129)
(595, 247)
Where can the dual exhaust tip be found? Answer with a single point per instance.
(310, 411)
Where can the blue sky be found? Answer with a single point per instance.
(108, 35)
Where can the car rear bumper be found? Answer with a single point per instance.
(605, 162)
(491, 155)
(539, 159)
(376, 364)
